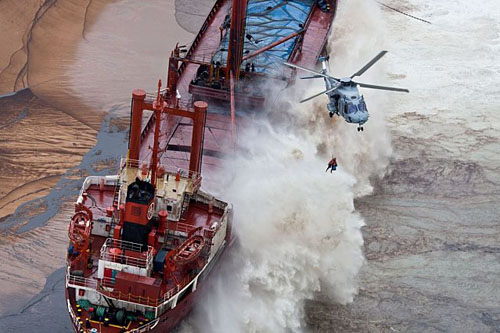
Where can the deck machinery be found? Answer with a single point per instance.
(144, 241)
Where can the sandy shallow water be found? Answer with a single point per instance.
(70, 63)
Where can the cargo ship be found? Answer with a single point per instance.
(144, 242)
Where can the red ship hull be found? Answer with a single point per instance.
(169, 320)
(187, 141)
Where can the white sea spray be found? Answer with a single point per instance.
(297, 229)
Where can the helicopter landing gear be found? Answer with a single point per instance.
(331, 109)
(360, 128)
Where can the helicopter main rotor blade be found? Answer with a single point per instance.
(310, 71)
(371, 86)
(370, 64)
(311, 77)
(318, 94)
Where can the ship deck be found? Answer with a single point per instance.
(83, 315)
(175, 138)
(196, 215)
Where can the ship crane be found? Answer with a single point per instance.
(79, 234)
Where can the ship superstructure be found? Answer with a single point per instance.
(127, 266)
(143, 241)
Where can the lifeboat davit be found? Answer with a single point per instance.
(79, 232)
(186, 253)
(189, 250)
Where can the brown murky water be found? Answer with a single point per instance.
(432, 225)
(74, 65)
(431, 234)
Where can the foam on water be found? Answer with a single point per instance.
(298, 231)
(297, 228)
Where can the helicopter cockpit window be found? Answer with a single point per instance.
(352, 108)
(362, 106)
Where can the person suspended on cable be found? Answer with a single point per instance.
(332, 165)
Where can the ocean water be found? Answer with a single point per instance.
(423, 177)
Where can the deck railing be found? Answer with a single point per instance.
(145, 328)
(103, 287)
(74, 319)
(182, 227)
(180, 103)
(111, 180)
(124, 245)
(80, 281)
(200, 34)
(121, 258)
(170, 169)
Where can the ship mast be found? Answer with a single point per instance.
(235, 54)
(197, 113)
(158, 107)
(236, 38)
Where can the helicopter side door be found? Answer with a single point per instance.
(341, 106)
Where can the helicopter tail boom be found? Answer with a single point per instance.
(311, 77)
(319, 94)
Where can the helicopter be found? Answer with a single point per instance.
(345, 100)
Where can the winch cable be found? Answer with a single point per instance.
(401, 12)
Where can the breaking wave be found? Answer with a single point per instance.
(297, 228)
